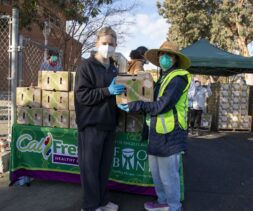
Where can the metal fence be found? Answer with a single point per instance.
(20, 61)
(30, 59)
(5, 98)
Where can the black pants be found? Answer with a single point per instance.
(195, 118)
(95, 154)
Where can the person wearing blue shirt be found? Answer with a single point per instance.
(52, 63)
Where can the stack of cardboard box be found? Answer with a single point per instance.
(29, 109)
(50, 104)
(233, 108)
(138, 87)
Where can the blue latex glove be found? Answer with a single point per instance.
(116, 89)
(123, 107)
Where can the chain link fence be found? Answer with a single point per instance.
(30, 60)
(5, 98)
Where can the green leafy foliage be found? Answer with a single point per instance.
(78, 10)
(227, 23)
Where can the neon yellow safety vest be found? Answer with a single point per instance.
(165, 122)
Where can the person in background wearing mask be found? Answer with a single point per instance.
(168, 124)
(137, 60)
(52, 63)
(191, 93)
(95, 105)
(198, 104)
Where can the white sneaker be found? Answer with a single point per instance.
(110, 207)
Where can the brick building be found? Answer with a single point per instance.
(58, 39)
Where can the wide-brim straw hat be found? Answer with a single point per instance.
(169, 47)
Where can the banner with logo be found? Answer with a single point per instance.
(51, 153)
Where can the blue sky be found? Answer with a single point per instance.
(149, 29)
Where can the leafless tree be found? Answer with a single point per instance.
(83, 35)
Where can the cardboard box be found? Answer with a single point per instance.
(121, 126)
(134, 122)
(72, 80)
(206, 120)
(57, 81)
(56, 118)
(28, 96)
(4, 145)
(29, 116)
(225, 87)
(236, 86)
(40, 79)
(224, 93)
(4, 161)
(72, 119)
(55, 100)
(71, 101)
(139, 87)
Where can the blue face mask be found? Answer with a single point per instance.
(166, 62)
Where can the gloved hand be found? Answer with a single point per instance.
(116, 89)
(123, 107)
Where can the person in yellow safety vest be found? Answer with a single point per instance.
(168, 124)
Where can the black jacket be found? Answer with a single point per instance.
(93, 103)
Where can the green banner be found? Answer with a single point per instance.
(44, 149)
(130, 163)
(54, 149)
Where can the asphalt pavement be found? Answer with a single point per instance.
(218, 171)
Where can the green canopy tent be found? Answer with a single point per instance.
(210, 60)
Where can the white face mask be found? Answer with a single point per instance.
(106, 51)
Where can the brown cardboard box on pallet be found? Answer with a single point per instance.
(121, 127)
(28, 96)
(56, 118)
(4, 145)
(4, 161)
(51, 80)
(55, 100)
(206, 121)
(72, 80)
(134, 122)
(29, 116)
(72, 120)
(71, 101)
(138, 87)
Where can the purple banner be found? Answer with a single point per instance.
(75, 178)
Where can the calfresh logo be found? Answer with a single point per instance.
(49, 147)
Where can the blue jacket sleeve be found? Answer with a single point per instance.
(170, 97)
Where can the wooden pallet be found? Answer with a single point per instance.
(246, 130)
